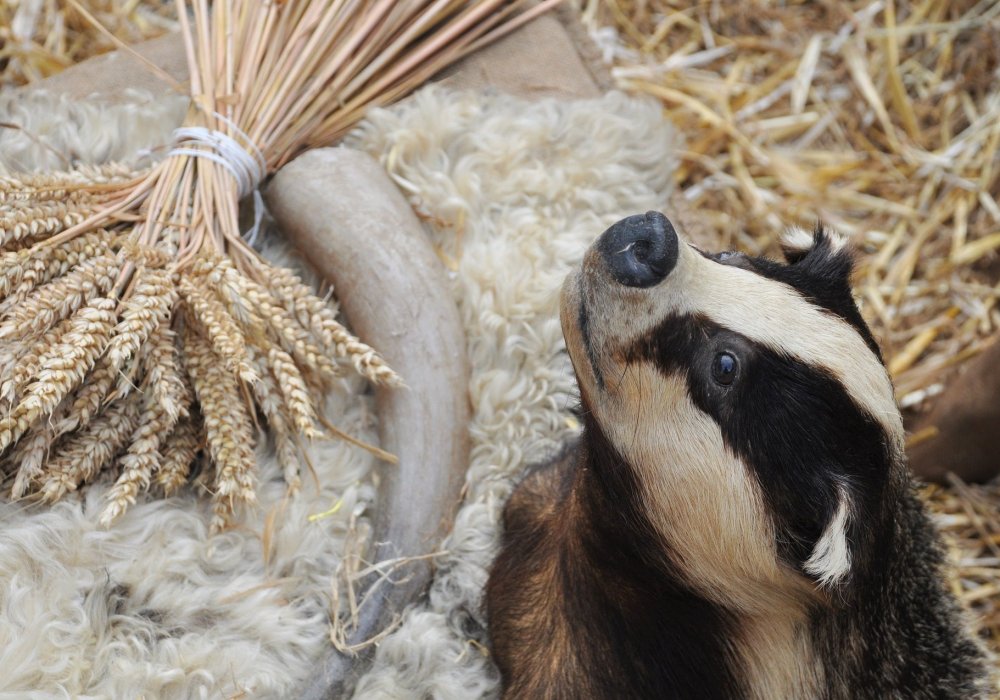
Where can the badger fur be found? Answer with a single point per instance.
(737, 519)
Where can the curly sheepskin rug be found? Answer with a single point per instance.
(155, 607)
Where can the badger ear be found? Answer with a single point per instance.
(796, 243)
(823, 254)
(830, 561)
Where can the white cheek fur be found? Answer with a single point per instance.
(830, 561)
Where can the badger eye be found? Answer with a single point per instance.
(724, 368)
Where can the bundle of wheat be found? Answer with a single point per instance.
(137, 323)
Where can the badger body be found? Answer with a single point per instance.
(736, 519)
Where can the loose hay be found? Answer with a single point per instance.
(39, 38)
(881, 119)
(969, 517)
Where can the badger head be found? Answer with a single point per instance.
(747, 398)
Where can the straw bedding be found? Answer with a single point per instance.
(39, 38)
(512, 193)
(882, 124)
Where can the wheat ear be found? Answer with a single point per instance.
(87, 451)
(227, 426)
(176, 455)
(62, 368)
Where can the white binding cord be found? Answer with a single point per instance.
(258, 218)
(198, 142)
(246, 164)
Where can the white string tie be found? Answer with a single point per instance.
(245, 163)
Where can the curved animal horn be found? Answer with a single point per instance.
(343, 212)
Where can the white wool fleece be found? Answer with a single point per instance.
(155, 607)
(47, 131)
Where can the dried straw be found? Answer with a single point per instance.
(883, 122)
(39, 38)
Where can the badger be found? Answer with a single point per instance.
(737, 519)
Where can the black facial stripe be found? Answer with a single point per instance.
(794, 426)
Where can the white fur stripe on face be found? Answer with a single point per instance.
(698, 494)
(831, 557)
(778, 317)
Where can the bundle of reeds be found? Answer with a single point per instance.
(138, 325)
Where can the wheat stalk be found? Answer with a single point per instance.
(179, 450)
(148, 307)
(61, 368)
(164, 372)
(30, 457)
(86, 451)
(89, 398)
(228, 427)
(57, 300)
(273, 405)
(142, 458)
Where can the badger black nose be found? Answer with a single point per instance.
(640, 250)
